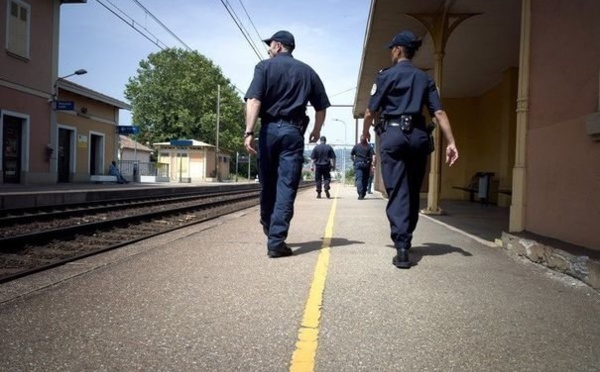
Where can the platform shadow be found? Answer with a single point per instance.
(315, 245)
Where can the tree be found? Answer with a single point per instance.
(174, 96)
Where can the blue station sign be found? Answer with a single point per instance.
(65, 105)
(181, 143)
(128, 129)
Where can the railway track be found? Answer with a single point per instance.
(39, 239)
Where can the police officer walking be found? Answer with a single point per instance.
(363, 156)
(323, 159)
(279, 93)
(397, 98)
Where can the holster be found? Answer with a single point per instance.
(430, 128)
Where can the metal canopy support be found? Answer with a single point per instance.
(440, 26)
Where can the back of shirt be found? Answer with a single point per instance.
(322, 154)
(362, 153)
(284, 86)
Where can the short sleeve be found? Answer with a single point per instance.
(257, 86)
(433, 98)
(331, 153)
(377, 93)
(318, 98)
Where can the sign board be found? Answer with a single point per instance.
(181, 143)
(128, 129)
(65, 105)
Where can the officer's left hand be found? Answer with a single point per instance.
(451, 154)
(248, 141)
(314, 136)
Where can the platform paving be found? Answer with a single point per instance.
(208, 299)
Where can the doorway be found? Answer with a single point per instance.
(12, 130)
(65, 139)
(96, 154)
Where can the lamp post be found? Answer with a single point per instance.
(343, 150)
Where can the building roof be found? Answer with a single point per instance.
(86, 92)
(128, 143)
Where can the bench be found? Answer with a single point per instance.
(99, 178)
(480, 184)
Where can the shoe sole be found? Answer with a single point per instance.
(401, 265)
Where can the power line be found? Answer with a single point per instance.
(337, 94)
(131, 23)
(240, 27)
(239, 21)
(162, 24)
(252, 23)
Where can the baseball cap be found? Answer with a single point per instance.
(284, 37)
(407, 39)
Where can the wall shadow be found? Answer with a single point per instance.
(315, 245)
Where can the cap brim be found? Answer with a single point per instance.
(391, 45)
(267, 41)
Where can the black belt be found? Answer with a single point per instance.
(279, 119)
(406, 122)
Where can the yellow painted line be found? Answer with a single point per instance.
(303, 359)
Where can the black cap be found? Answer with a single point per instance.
(323, 139)
(284, 37)
(407, 39)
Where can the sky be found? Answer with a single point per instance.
(329, 37)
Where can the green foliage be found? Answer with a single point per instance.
(350, 175)
(174, 96)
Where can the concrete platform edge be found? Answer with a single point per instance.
(579, 266)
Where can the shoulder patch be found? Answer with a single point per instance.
(374, 89)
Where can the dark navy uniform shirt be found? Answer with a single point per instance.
(322, 154)
(284, 86)
(404, 89)
(362, 153)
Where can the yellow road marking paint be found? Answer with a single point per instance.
(303, 359)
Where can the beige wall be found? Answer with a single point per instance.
(563, 163)
(35, 72)
(99, 119)
(484, 128)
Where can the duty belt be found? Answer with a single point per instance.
(405, 122)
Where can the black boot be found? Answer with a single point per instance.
(401, 260)
(318, 195)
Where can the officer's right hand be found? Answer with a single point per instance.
(248, 141)
(367, 135)
(314, 136)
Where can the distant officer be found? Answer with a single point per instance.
(363, 156)
(398, 97)
(323, 162)
(280, 90)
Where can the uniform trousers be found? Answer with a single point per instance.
(361, 174)
(403, 164)
(280, 159)
(322, 177)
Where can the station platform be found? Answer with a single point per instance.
(208, 298)
(22, 196)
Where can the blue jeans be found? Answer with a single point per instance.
(280, 158)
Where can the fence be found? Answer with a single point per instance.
(137, 168)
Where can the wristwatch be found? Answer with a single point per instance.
(248, 134)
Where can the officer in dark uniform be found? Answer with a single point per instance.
(363, 156)
(398, 98)
(279, 93)
(323, 158)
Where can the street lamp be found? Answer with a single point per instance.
(343, 150)
(81, 71)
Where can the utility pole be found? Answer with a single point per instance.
(218, 175)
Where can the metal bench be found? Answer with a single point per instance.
(100, 178)
(479, 185)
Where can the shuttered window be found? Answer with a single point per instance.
(17, 28)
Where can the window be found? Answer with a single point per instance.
(17, 28)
